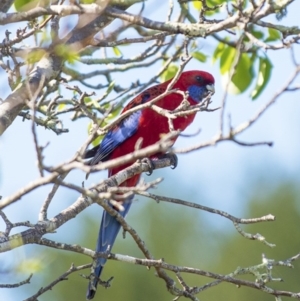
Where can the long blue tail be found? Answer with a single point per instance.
(108, 232)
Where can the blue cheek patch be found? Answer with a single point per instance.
(197, 93)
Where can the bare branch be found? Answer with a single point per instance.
(158, 198)
(26, 281)
(63, 277)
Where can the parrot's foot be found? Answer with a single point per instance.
(173, 158)
(150, 165)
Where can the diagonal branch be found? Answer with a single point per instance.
(87, 198)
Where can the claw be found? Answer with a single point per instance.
(150, 164)
(174, 160)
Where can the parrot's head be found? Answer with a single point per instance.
(199, 84)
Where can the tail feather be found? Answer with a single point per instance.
(108, 232)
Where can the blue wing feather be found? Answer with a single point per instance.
(127, 127)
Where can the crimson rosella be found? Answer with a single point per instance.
(150, 126)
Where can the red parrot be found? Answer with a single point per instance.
(150, 126)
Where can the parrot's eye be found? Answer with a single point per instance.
(199, 79)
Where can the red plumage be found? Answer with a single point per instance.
(150, 126)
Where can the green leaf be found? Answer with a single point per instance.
(244, 74)
(199, 56)
(169, 73)
(89, 101)
(274, 35)
(212, 3)
(111, 116)
(194, 45)
(210, 13)
(258, 34)
(197, 4)
(87, 1)
(265, 68)
(43, 109)
(35, 56)
(110, 87)
(107, 92)
(96, 141)
(218, 52)
(67, 53)
(89, 128)
(227, 59)
(114, 113)
(61, 106)
(117, 51)
(22, 5)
